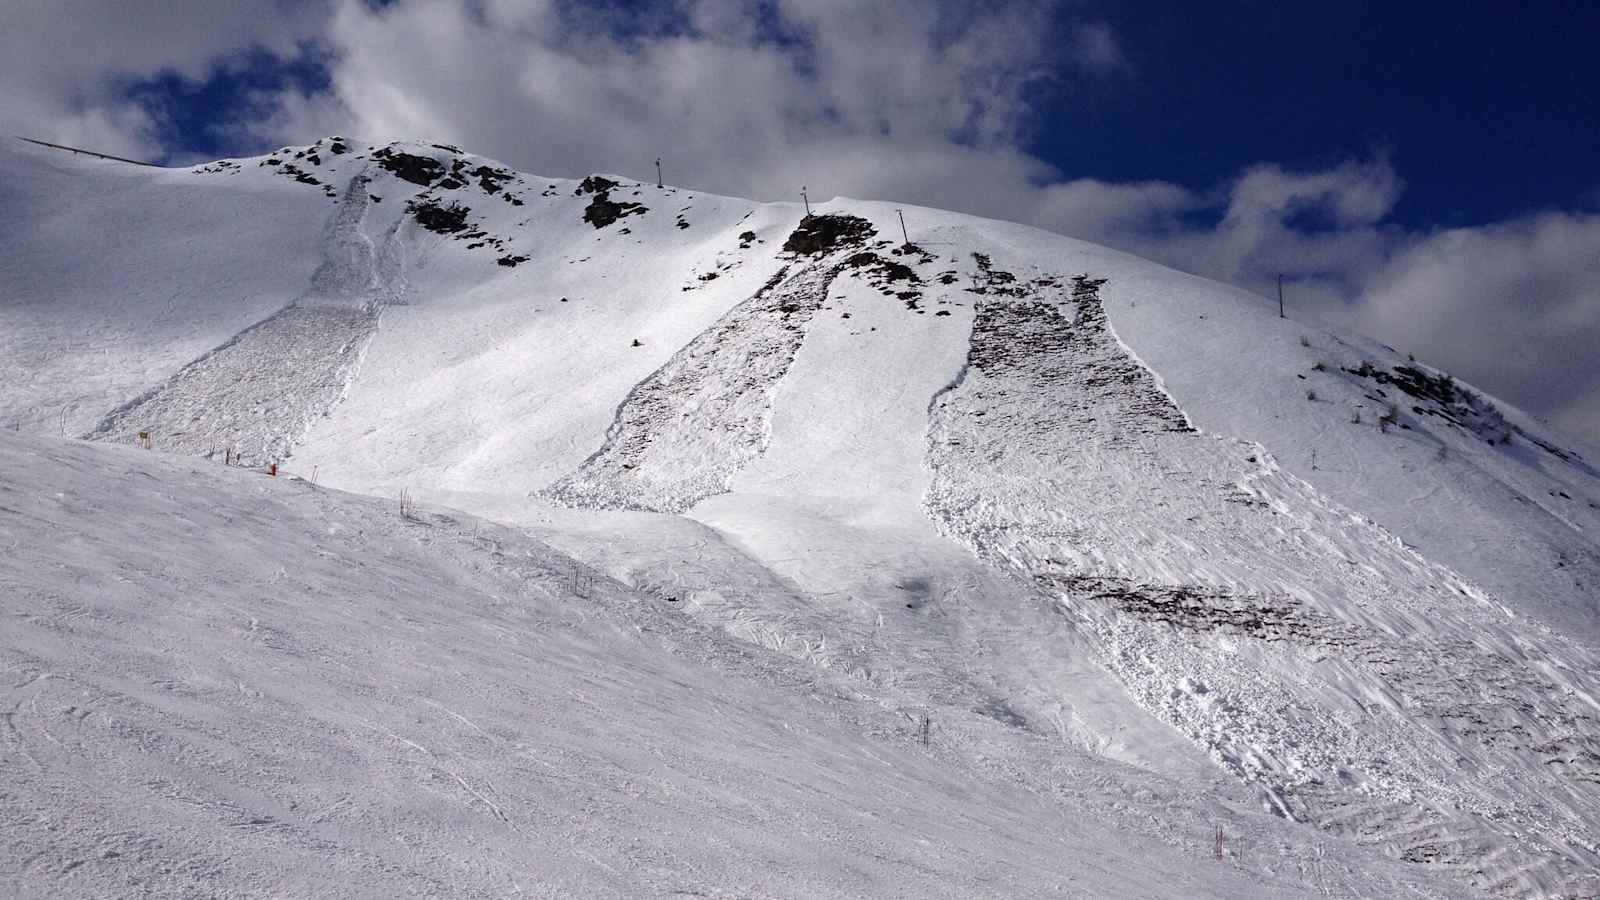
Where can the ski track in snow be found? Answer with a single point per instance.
(420, 708)
(1430, 723)
(256, 394)
(683, 433)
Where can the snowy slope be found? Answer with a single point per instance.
(294, 692)
(125, 274)
(1131, 517)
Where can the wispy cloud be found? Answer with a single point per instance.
(1096, 46)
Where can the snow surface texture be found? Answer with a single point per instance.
(269, 381)
(1136, 549)
(1055, 442)
(682, 433)
(299, 693)
(253, 398)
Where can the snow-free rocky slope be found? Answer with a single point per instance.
(768, 495)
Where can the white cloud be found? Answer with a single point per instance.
(1258, 234)
(1325, 227)
(830, 94)
(63, 64)
(1514, 307)
(1087, 207)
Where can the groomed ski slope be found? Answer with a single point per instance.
(1134, 518)
(217, 683)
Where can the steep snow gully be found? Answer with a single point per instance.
(684, 432)
(954, 531)
(253, 397)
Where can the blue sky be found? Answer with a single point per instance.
(1420, 172)
(198, 117)
(1489, 110)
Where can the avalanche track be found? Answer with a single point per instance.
(684, 432)
(1260, 620)
(254, 396)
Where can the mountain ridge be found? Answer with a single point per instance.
(916, 454)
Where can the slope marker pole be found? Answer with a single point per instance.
(1280, 295)
(903, 233)
(806, 200)
(658, 172)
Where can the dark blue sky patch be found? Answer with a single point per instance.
(626, 21)
(1485, 109)
(1311, 218)
(207, 118)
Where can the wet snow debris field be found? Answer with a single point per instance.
(703, 561)
(1059, 456)
(684, 432)
(254, 396)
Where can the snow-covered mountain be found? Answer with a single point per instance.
(993, 563)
